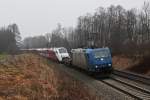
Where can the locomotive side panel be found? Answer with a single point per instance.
(79, 59)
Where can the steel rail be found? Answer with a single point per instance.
(133, 86)
(133, 76)
(122, 90)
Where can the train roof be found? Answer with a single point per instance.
(43, 49)
(80, 50)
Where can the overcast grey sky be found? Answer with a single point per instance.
(35, 17)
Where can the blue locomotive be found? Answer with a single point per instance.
(92, 60)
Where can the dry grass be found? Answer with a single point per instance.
(3, 56)
(30, 77)
(140, 65)
(122, 62)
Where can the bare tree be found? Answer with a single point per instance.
(125, 31)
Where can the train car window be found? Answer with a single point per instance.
(101, 53)
(62, 51)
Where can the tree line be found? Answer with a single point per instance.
(10, 39)
(122, 30)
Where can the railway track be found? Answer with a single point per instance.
(134, 85)
(132, 76)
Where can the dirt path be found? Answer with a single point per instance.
(97, 87)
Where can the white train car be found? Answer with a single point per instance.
(62, 54)
(59, 53)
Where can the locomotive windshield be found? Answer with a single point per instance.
(101, 53)
(62, 50)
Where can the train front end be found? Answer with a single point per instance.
(62, 55)
(99, 60)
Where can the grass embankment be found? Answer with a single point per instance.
(30, 77)
(140, 65)
(3, 56)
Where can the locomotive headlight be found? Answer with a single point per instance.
(102, 59)
(109, 64)
(96, 66)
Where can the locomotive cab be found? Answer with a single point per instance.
(99, 60)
